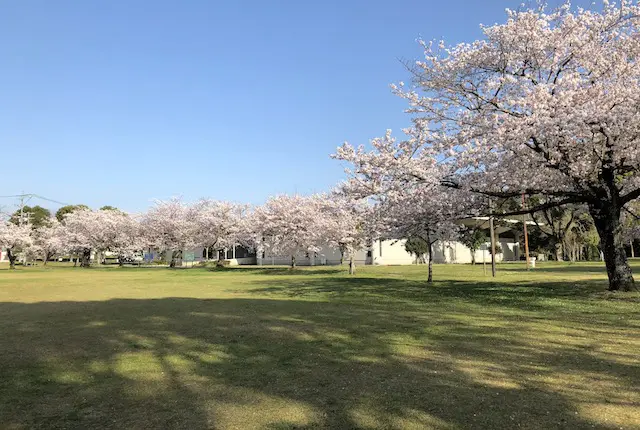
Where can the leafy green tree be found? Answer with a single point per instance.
(417, 246)
(473, 238)
(582, 240)
(37, 216)
(64, 210)
(109, 208)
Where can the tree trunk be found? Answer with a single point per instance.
(607, 221)
(174, 255)
(86, 256)
(558, 251)
(293, 261)
(352, 265)
(492, 233)
(75, 261)
(473, 257)
(430, 252)
(12, 259)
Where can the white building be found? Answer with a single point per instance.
(382, 252)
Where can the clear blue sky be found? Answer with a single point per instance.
(122, 101)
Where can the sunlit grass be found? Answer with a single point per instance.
(315, 348)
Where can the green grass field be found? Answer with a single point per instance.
(266, 348)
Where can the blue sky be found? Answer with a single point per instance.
(119, 102)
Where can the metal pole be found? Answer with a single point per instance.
(526, 235)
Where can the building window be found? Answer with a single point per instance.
(243, 252)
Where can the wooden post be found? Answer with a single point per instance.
(526, 235)
(484, 259)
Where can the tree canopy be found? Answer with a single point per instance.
(36, 216)
(64, 210)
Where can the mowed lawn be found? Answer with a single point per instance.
(266, 348)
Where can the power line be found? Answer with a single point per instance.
(50, 200)
(22, 196)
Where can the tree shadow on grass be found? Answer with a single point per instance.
(523, 295)
(281, 270)
(242, 363)
(561, 268)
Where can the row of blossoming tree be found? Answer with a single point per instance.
(546, 105)
(284, 225)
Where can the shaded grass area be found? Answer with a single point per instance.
(314, 348)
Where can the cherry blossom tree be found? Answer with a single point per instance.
(83, 233)
(170, 227)
(546, 104)
(289, 225)
(348, 224)
(427, 212)
(15, 239)
(49, 240)
(410, 196)
(219, 224)
(121, 233)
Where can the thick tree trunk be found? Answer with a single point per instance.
(352, 265)
(606, 218)
(12, 259)
(473, 257)
(293, 261)
(174, 255)
(86, 256)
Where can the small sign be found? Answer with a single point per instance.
(189, 256)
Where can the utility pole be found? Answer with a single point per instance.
(21, 209)
(493, 241)
(23, 216)
(526, 235)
